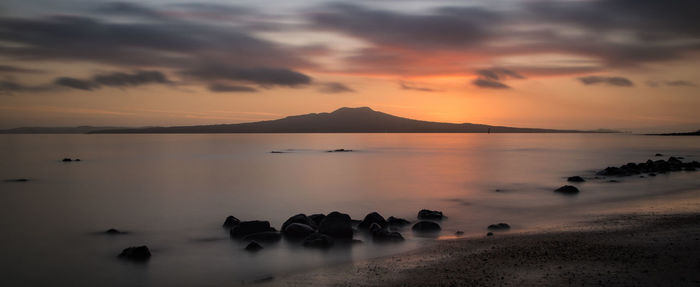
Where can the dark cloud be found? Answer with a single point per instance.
(10, 87)
(225, 88)
(611, 81)
(498, 74)
(334, 88)
(117, 79)
(444, 28)
(14, 69)
(407, 86)
(74, 83)
(489, 84)
(680, 83)
(128, 9)
(265, 77)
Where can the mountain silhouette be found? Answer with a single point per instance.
(343, 120)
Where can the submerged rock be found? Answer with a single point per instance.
(66, 160)
(297, 231)
(336, 224)
(113, 231)
(253, 246)
(17, 180)
(373, 218)
(397, 222)
(267, 236)
(231, 222)
(426, 226)
(246, 228)
(430, 214)
(575, 179)
(384, 235)
(136, 253)
(318, 240)
(340, 150)
(499, 226)
(489, 234)
(459, 232)
(567, 189)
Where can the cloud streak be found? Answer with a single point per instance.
(610, 81)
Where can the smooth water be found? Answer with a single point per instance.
(173, 192)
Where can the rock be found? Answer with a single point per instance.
(318, 240)
(136, 253)
(340, 150)
(499, 226)
(575, 179)
(658, 154)
(337, 225)
(430, 214)
(253, 246)
(246, 228)
(231, 222)
(300, 218)
(268, 236)
(317, 218)
(372, 218)
(426, 226)
(673, 161)
(397, 222)
(374, 227)
(459, 232)
(67, 160)
(297, 231)
(652, 174)
(77, 159)
(489, 234)
(383, 235)
(611, 171)
(113, 231)
(17, 180)
(567, 189)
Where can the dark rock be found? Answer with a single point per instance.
(253, 246)
(673, 161)
(297, 231)
(336, 224)
(113, 231)
(613, 181)
(658, 154)
(77, 159)
(374, 227)
(499, 226)
(17, 180)
(231, 222)
(384, 235)
(426, 226)
(611, 171)
(575, 179)
(276, 151)
(567, 189)
(397, 222)
(459, 232)
(318, 240)
(489, 234)
(690, 168)
(249, 227)
(430, 214)
(371, 218)
(340, 150)
(652, 174)
(299, 218)
(67, 160)
(136, 253)
(317, 218)
(268, 236)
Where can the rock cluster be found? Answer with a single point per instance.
(650, 166)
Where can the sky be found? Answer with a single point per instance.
(587, 64)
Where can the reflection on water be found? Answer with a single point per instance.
(172, 192)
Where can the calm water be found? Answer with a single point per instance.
(172, 192)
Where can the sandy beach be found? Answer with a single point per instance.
(651, 248)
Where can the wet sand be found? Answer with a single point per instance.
(634, 249)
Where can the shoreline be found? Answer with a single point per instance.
(638, 249)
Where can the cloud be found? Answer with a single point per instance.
(225, 88)
(489, 84)
(116, 79)
(14, 69)
(406, 86)
(265, 77)
(10, 87)
(680, 83)
(334, 88)
(78, 84)
(611, 81)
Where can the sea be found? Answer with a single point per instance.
(172, 192)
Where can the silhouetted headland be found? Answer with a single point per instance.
(695, 133)
(343, 120)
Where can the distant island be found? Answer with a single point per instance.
(695, 133)
(343, 120)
